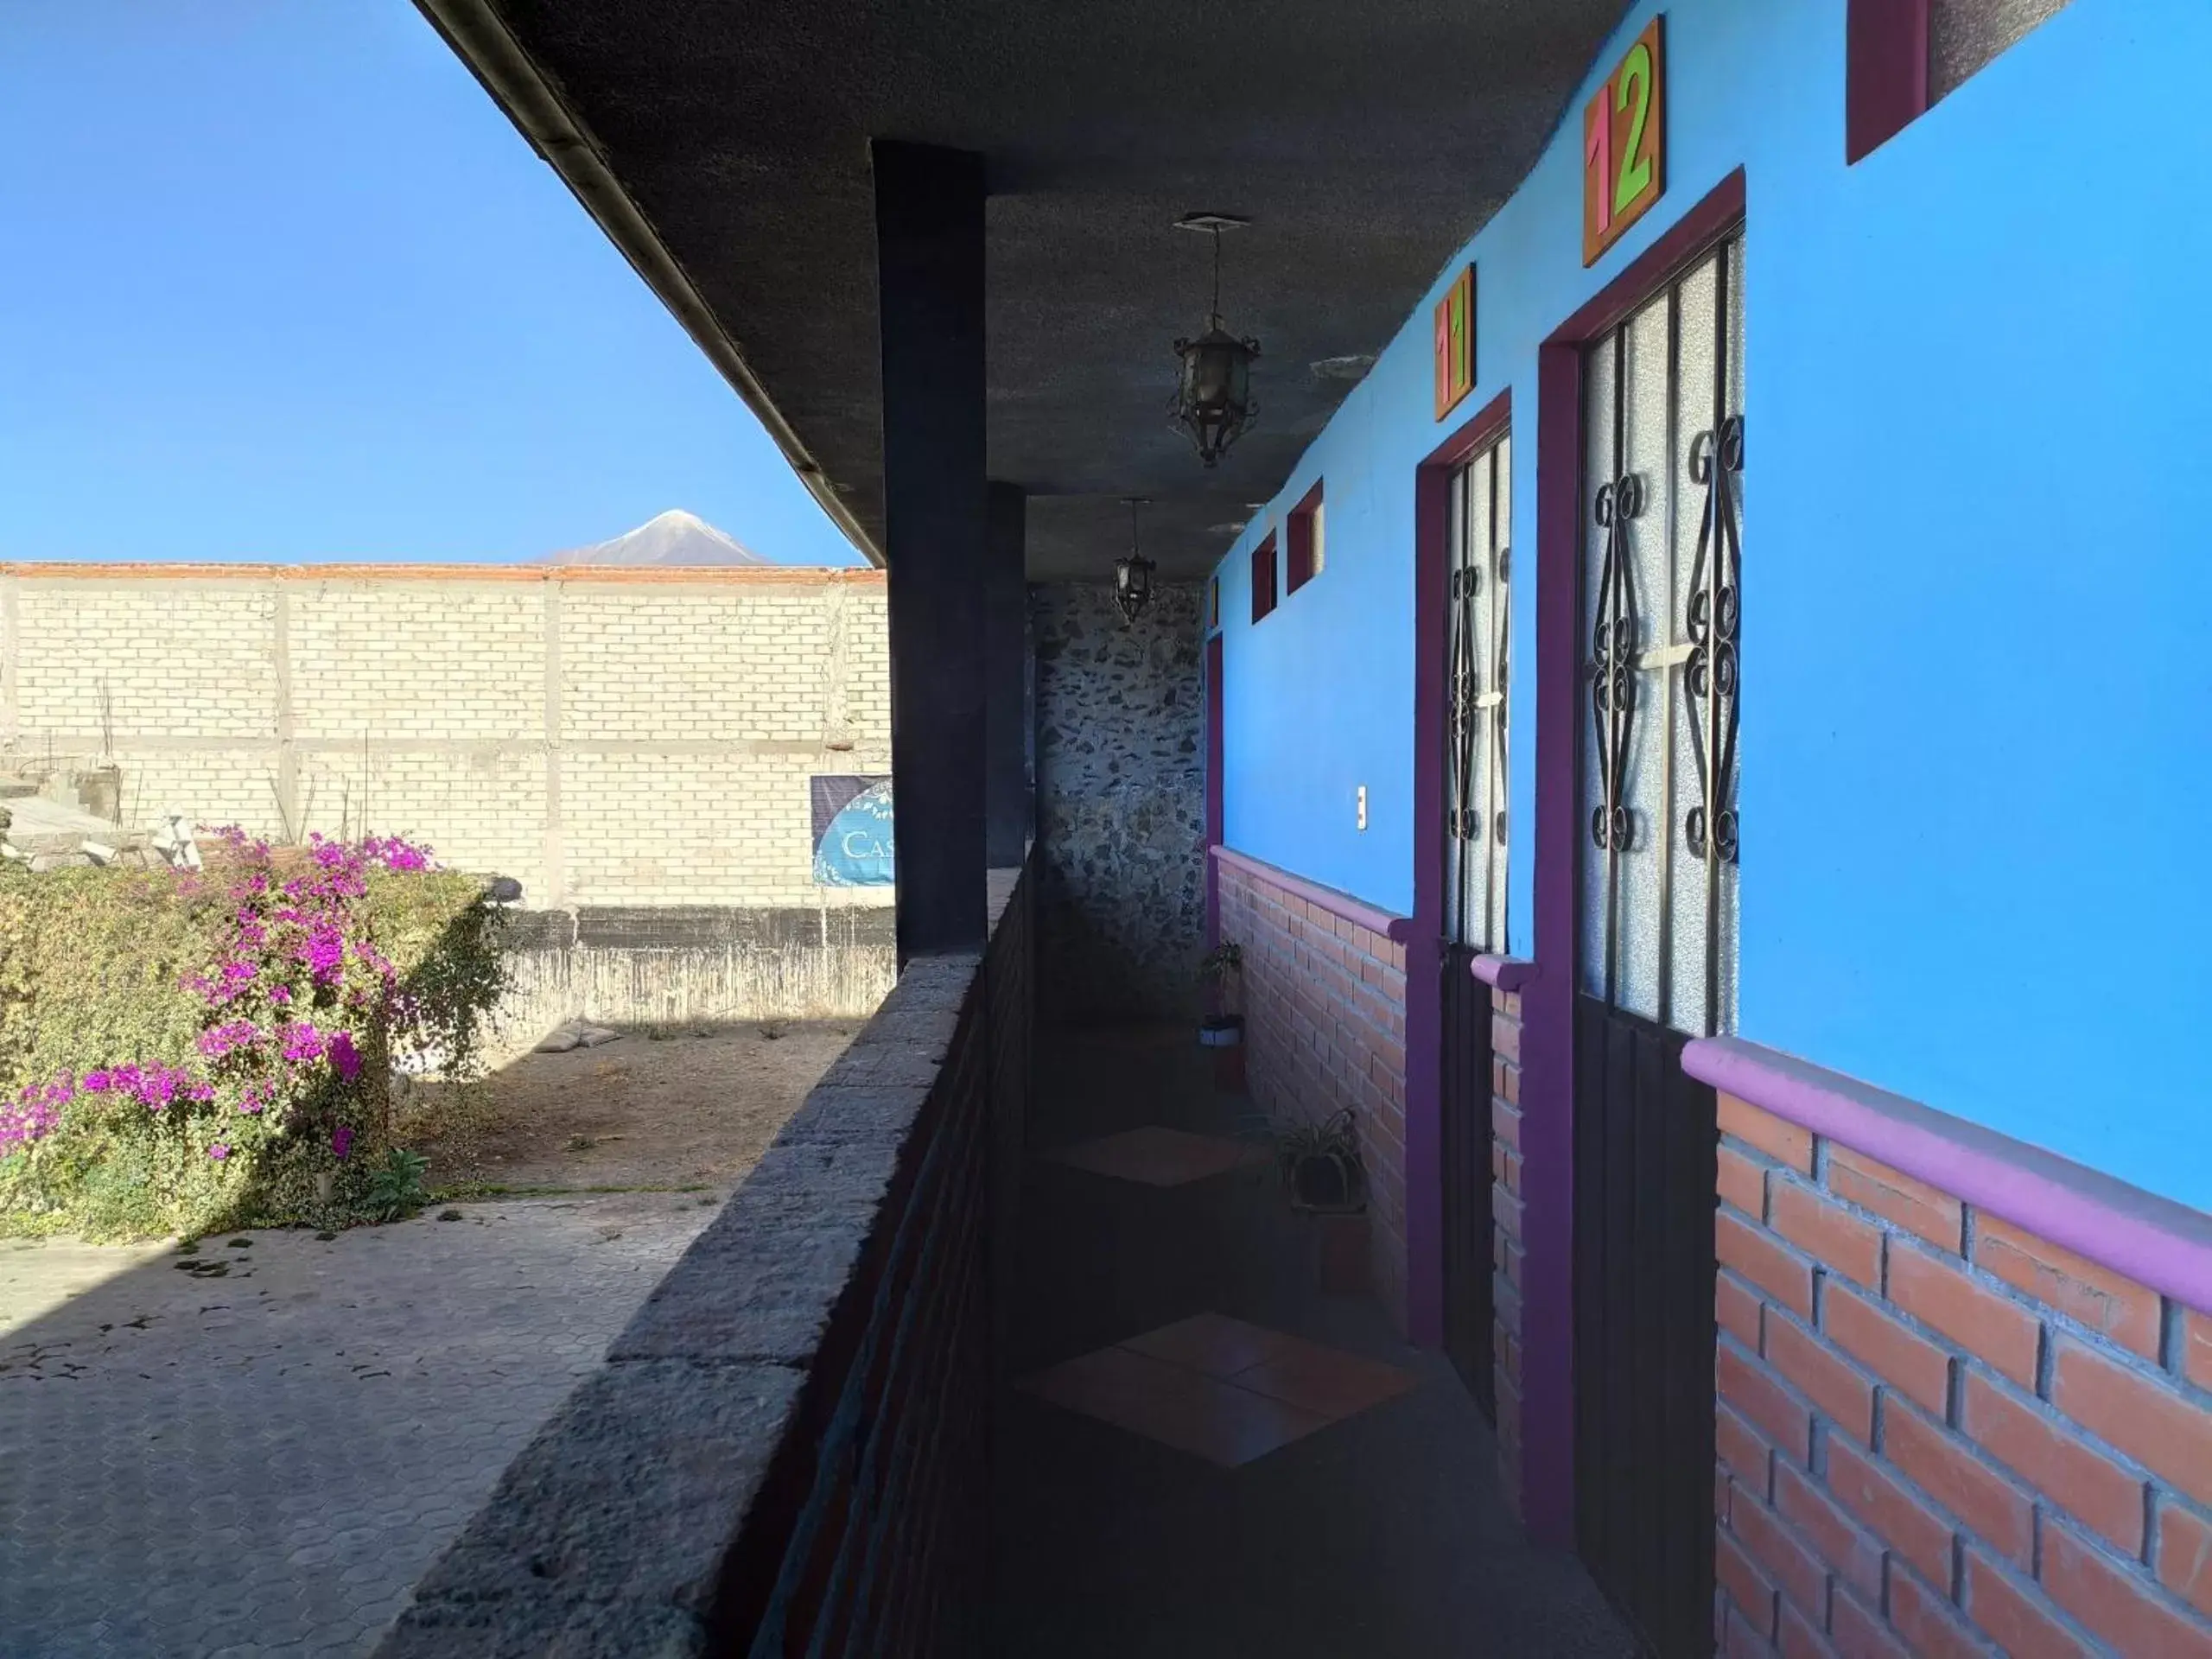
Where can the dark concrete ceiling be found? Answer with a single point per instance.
(1365, 139)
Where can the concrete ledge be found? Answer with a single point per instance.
(745, 575)
(608, 1534)
(622, 1527)
(2156, 1242)
(682, 927)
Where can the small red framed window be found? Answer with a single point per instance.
(1263, 578)
(1307, 532)
(1901, 56)
(1885, 71)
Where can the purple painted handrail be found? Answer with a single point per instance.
(1398, 929)
(2156, 1242)
(1507, 973)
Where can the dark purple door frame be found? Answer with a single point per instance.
(1215, 752)
(1424, 991)
(1547, 1004)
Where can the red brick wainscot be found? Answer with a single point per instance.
(1325, 1028)
(1941, 1431)
(1508, 1251)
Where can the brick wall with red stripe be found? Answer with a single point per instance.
(1505, 1232)
(1325, 1029)
(1940, 1435)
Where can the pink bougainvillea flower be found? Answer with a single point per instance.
(344, 1055)
(25, 1121)
(324, 953)
(341, 1142)
(160, 1086)
(219, 1041)
(396, 853)
(302, 1042)
(218, 1152)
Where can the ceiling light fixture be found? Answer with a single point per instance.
(1213, 392)
(1133, 575)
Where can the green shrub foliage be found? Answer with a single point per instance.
(185, 1052)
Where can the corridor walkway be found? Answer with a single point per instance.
(1280, 1478)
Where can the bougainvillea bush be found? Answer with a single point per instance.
(182, 1052)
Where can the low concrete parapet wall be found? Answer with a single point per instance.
(785, 1451)
(690, 965)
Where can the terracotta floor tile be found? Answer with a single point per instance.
(1212, 1342)
(1177, 1407)
(1160, 1156)
(1325, 1381)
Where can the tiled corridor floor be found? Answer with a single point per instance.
(1158, 1157)
(1204, 1456)
(1219, 1388)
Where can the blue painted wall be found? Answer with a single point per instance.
(1978, 659)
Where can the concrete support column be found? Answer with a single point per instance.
(929, 227)
(1007, 809)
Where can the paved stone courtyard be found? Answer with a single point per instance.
(258, 1456)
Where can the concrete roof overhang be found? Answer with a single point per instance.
(725, 149)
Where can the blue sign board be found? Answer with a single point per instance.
(852, 832)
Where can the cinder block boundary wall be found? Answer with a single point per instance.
(1325, 1018)
(605, 736)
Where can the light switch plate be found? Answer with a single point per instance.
(1363, 806)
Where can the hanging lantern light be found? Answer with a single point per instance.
(1213, 392)
(1133, 575)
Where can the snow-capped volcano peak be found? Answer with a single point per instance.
(674, 538)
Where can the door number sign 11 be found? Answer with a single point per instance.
(1624, 144)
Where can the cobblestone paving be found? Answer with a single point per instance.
(262, 1461)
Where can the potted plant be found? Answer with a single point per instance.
(1222, 971)
(1320, 1164)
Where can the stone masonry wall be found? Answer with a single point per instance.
(1507, 1250)
(1325, 1018)
(1940, 1435)
(1120, 802)
(604, 736)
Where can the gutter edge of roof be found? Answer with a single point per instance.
(480, 39)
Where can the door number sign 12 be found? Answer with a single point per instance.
(1624, 144)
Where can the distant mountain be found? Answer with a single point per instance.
(674, 538)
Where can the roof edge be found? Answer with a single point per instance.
(733, 575)
(480, 39)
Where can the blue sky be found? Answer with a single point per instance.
(281, 284)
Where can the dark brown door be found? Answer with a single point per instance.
(1467, 1264)
(1477, 521)
(1663, 460)
(1215, 757)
